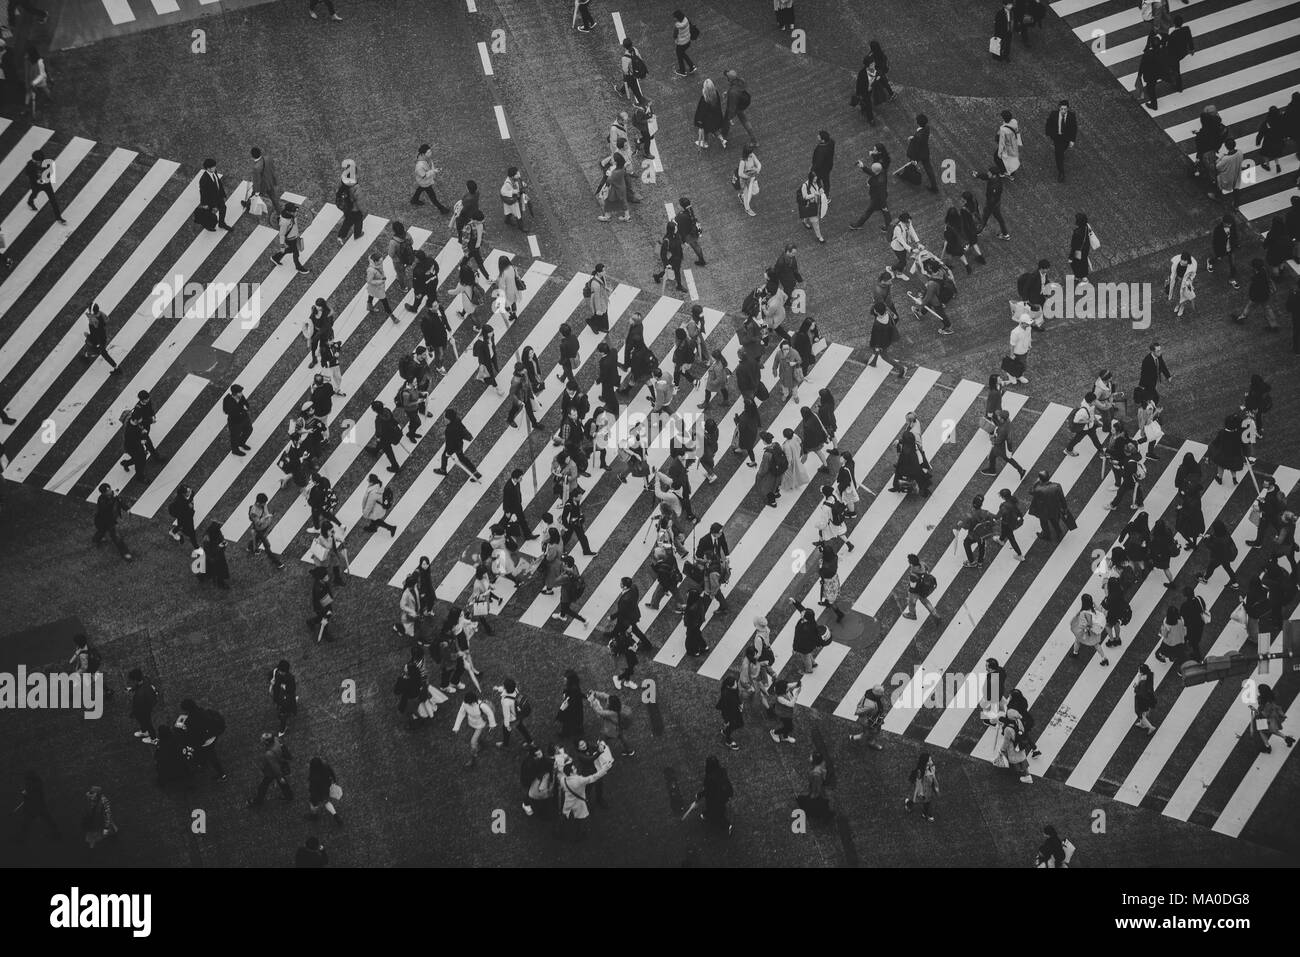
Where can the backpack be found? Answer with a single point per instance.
(523, 707)
(779, 461)
(750, 306)
(408, 254)
(639, 69)
(343, 197)
(406, 366)
(93, 659)
(743, 101)
(216, 723)
(839, 511)
(947, 289)
(586, 289)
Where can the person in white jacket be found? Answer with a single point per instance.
(747, 171)
(1179, 287)
(508, 284)
(1021, 341)
(904, 242)
(1008, 137)
(409, 608)
(373, 509)
(480, 717)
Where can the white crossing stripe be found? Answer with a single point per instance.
(1065, 8)
(177, 404)
(533, 248)
(1228, 49)
(32, 327)
(276, 410)
(69, 283)
(882, 509)
(1201, 27)
(21, 217)
(501, 122)
(119, 11)
(142, 257)
(1212, 89)
(1176, 720)
(15, 161)
(962, 624)
(747, 542)
(783, 572)
(259, 367)
(186, 328)
(894, 644)
(487, 61)
(165, 6)
(409, 504)
(1150, 596)
(618, 27)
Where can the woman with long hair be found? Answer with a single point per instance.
(746, 179)
(715, 793)
(925, 786)
(812, 203)
(709, 120)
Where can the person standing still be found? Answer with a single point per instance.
(265, 183)
(1063, 130)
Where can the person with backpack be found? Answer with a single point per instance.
(980, 525)
(144, 697)
(870, 716)
(401, 251)
(736, 109)
(284, 694)
(1088, 628)
(515, 708)
(1013, 751)
(920, 585)
(633, 70)
(199, 730)
(345, 198)
(925, 786)
(832, 519)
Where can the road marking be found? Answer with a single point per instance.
(501, 123)
(690, 284)
(472, 6)
(119, 11)
(618, 27)
(169, 414)
(483, 55)
(533, 248)
(165, 6)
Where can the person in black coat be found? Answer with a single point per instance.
(862, 92)
(1062, 129)
(108, 509)
(733, 716)
(1048, 504)
(918, 148)
(1151, 68)
(1003, 25)
(688, 228)
(608, 377)
(995, 181)
(823, 159)
(212, 192)
(697, 604)
(455, 435)
(214, 555)
(1153, 369)
(512, 505)
(1178, 46)
(239, 419)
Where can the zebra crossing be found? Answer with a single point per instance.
(1246, 59)
(128, 226)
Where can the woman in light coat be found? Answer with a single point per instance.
(812, 205)
(925, 786)
(788, 371)
(377, 285)
(1011, 748)
(372, 506)
(747, 178)
(1182, 275)
(797, 475)
(1008, 138)
(508, 286)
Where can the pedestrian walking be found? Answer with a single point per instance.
(144, 698)
(289, 237)
(920, 585)
(426, 178)
(97, 823)
(239, 420)
(284, 693)
(1259, 295)
(480, 717)
(993, 190)
(515, 708)
(1062, 128)
(322, 603)
(32, 807)
(109, 510)
(709, 116)
(1266, 718)
(97, 338)
(918, 149)
(345, 198)
(869, 714)
(737, 103)
(42, 175)
(925, 786)
(274, 765)
(322, 791)
(745, 179)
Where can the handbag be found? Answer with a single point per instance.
(995, 46)
(735, 181)
(480, 607)
(336, 792)
(986, 425)
(519, 282)
(1255, 515)
(1261, 725)
(257, 205)
(319, 551)
(1093, 241)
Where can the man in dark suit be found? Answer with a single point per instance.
(512, 505)
(1047, 504)
(823, 159)
(1178, 46)
(1030, 285)
(714, 543)
(1003, 25)
(1062, 129)
(688, 228)
(627, 611)
(1153, 367)
(608, 377)
(238, 418)
(918, 148)
(862, 90)
(212, 193)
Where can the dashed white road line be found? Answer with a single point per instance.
(483, 55)
(501, 123)
(533, 248)
(690, 284)
(473, 7)
(618, 27)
